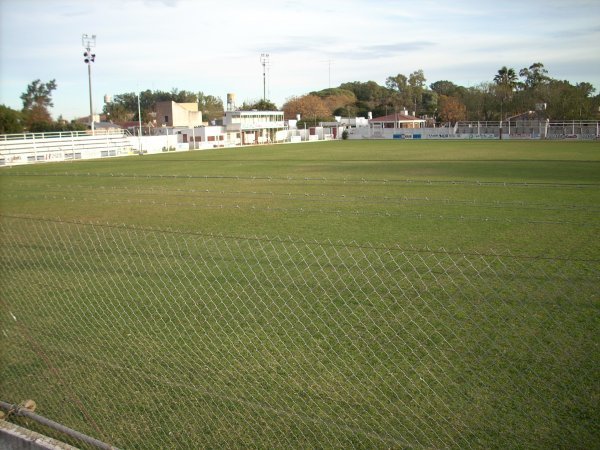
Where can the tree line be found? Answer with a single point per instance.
(124, 107)
(34, 116)
(507, 94)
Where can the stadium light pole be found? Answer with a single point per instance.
(88, 57)
(264, 60)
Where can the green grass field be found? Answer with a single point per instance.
(526, 197)
(341, 294)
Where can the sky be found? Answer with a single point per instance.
(215, 46)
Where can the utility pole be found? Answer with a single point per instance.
(264, 60)
(88, 57)
(140, 124)
(329, 62)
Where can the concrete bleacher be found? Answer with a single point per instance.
(30, 148)
(531, 129)
(477, 128)
(572, 129)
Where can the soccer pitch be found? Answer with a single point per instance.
(349, 293)
(520, 196)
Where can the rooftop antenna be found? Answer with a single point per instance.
(329, 62)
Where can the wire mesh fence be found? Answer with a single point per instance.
(149, 338)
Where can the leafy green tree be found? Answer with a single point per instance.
(36, 101)
(506, 81)
(118, 112)
(211, 106)
(329, 92)
(452, 109)
(10, 120)
(260, 105)
(445, 87)
(570, 102)
(480, 102)
(43, 127)
(37, 119)
(505, 95)
(38, 94)
(506, 77)
(346, 111)
(400, 89)
(407, 92)
(125, 106)
(148, 101)
(122, 108)
(311, 108)
(586, 89)
(370, 96)
(338, 100)
(429, 103)
(397, 83)
(368, 91)
(182, 96)
(416, 81)
(535, 75)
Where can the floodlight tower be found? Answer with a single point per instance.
(264, 60)
(88, 43)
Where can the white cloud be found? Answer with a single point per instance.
(215, 46)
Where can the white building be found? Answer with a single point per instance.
(239, 128)
(171, 114)
(255, 127)
(396, 121)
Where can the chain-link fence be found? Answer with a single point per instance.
(159, 339)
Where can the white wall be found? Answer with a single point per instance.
(46, 147)
(156, 144)
(402, 133)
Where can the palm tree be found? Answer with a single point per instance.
(506, 80)
(506, 77)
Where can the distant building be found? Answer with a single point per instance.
(133, 126)
(86, 119)
(178, 115)
(334, 130)
(254, 127)
(399, 120)
(238, 128)
(106, 126)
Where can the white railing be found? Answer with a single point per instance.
(61, 134)
(531, 129)
(27, 148)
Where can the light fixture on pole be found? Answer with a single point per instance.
(264, 60)
(88, 43)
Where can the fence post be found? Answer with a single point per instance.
(72, 147)
(23, 411)
(34, 149)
